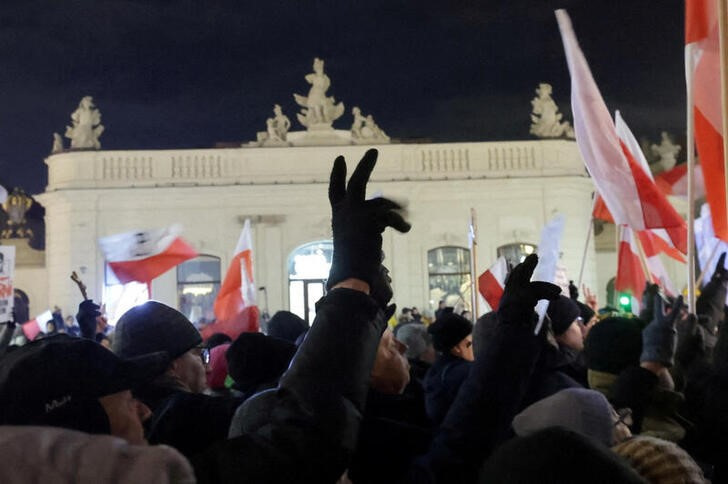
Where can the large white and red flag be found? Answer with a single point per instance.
(492, 282)
(629, 192)
(652, 246)
(143, 255)
(630, 272)
(235, 307)
(702, 73)
(675, 182)
(37, 325)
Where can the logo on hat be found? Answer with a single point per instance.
(54, 404)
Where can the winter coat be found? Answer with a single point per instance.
(59, 456)
(306, 429)
(442, 383)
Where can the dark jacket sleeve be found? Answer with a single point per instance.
(481, 415)
(711, 302)
(306, 429)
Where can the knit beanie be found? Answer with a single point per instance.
(613, 345)
(449, 330)
(583, 411)
(287, 326)
(416, 337)
(555, 455)
(562, 312)
(255, 358)
(659, 461)
(152, 327)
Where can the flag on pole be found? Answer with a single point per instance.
(37, 325)
(629, 193)
(492, 282)
(659, 242)
(702, 73)
(652, 249)
(630, 272)
(143, 255)
(235, 307)
(675, 182)
(549, 252)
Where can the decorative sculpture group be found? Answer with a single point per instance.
(667, 152)
(545, 117)
(319, 111)
(87, 127)
(364, 129)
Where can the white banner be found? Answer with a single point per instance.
(7, 269)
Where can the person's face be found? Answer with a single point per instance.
(189, 370)
(464, 349)
(572, 337)
(622, 420)
(390, 373)
(126, 415)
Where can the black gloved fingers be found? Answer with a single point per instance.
(394, 220)
(358, 182)
(337, 181)
(720, 271)
(389, 311)
(545, 290)
(521, 274)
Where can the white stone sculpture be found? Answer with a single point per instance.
(87, 127)
(57, 143)
(276, 129)
(365, 130)
(667, 151)
(545, 117)
(319, 111)
(281, 123)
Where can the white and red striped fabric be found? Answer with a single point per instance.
(702, 73)
(675, 182)
(653, 245)
(630, 274)
(37, 325)
(143, 255)
(629, 192)
(235, 306)
(492, 282)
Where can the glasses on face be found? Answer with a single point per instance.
(204, 354)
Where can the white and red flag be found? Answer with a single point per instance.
(702, 73)
(675, 182)
(630, 272)
(143, 255)
(653, 245)
(37, 325)
(235, 307)
(629, 192)
(492, 282)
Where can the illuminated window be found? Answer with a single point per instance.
(308, 269)
(198, 282)
(448, 269)
(515, 253)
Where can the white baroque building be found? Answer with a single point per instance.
(515, 187)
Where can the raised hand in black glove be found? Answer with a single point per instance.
(649, 296)
(357, 226)
(659, 338)
(721, 273)
(690, 341)
(521, 295)
(88, 311)
(573, 291)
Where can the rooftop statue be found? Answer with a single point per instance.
(364, 129)
(545, 117)
(667, 151)
(319, 111)
(276, 129)
(87, 127)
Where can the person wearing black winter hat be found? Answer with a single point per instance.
(286, 326)
(182, 416)
(453, 340)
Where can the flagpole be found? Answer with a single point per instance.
(473, 264)
(589, 230)
(690, 135)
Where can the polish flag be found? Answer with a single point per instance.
(37, 325)
(675, 181)
(702, 74)
(629, 192)
(653, 245)
(235, 307)
(630, 274)
(492, 282)
(141, 256)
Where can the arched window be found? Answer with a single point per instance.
(198, 282)
(448, 269)
(516, 252)
(308, 269)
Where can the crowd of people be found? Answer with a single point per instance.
(589, 397)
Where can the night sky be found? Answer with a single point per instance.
(189, 74)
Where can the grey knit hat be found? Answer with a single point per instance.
(152, 327)
(586, 412)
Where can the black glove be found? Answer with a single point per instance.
(721, 273)
(357, 226)
(88, 311)
(659, 338)
(649, 296)
(690, 341)
(521, 295)
(573, 291)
